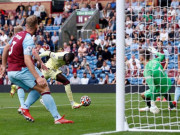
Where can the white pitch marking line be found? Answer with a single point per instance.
(101, 133)
(1, 108)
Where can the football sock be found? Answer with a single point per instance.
(177, 94)
(33, 96)
(69, 93)
(168, 98)
(50, 105)
(21, 96)
(148, 102)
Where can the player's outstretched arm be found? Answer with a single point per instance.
(154, 51)
(4, 59)
(41, 81)
(37, 57)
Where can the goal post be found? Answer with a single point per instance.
(120, 88)
(128, 98)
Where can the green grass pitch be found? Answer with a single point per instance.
(98, 117)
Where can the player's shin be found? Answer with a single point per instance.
(33, 96)
(69, 93)
(177, 94)
(148, 102)
(50, 105)
(21, 96)
(168, 97)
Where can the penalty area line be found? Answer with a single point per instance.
(101, 133)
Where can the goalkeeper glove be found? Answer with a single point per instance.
(152, 50)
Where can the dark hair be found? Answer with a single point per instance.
(145, 53)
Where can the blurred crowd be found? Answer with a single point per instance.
(95, 57)
(148, 25)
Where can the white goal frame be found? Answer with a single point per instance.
(121, 124)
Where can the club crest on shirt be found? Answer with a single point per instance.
(28, 49)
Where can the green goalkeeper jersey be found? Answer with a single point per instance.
(156, 78)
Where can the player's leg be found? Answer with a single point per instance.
(168, 97)
(147, 98)
(176, 95)
(50, 104)
(66, 83)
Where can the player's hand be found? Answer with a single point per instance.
(2, 73)
(44, 67)
(41, 81)
(152, 50)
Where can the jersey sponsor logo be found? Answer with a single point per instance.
(18, 37)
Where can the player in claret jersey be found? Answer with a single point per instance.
(22, 72)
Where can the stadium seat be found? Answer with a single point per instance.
(48, 28)
(88, 75)
(140, 81)
(56, 27)
(98, 71)
(108, 63)
(172, 80)
(88, 58)
(102, 75)
(81, 71)
(111, 75)
(93, 57)
(92, 66)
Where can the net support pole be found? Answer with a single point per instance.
(120, 88)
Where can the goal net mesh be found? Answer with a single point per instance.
(151, 23)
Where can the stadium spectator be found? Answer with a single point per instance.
(172, 11)
(55, 39)
(87, 69)
(93, 35)
(46, 46)
(74, 49)
(174, 3)
(93, 79)
(20, 20)
(3, 38)
(129, 29)
(98, 5)
(84, 80)
(114, 80)
(75, 79)
(84, 8)
(42, 10)
(84, 63)
(1, 19)
(106, 80)
(105, 68)
(148, 17)
(6, 21)
(128, 40)
(50, 43)
(135, 69)
(82, 50)
(133, 58)
(92, 7)
(106, 55)
(6, 80)
(113, 67)
(51, 82)
(101, 80)
(65, 70)
(37, 13)
(74, 5)
(27, 6)
(21, 12)
(90, 50)
(47, 34)
(57, 20)
(49, 20)
(67, 7)
(76, 65)
(41, 41)
(34, 6)
(41, 27)
(29, 11)
(164, 35)
(73, 39)
(63, 19)
(135, 46)
(66, 47)
(19, 6)
(80, 57)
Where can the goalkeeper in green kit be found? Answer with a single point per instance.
(156, 79)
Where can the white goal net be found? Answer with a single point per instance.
(152, 23)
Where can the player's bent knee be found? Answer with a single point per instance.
(41, 89)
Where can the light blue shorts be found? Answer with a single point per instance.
(23, 78)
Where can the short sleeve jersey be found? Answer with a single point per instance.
(20, 45)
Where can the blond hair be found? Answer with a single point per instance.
(31, 22)
(18, 29)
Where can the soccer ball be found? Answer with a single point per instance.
(85, 101)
